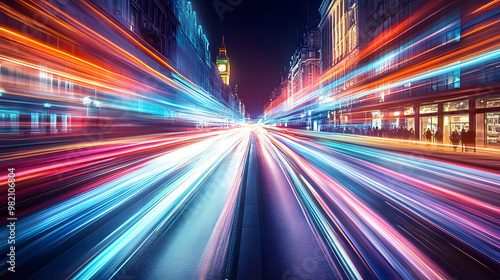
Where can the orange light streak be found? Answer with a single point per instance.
(125, 53)
(487, 6)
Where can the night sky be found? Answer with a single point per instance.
(261, 36)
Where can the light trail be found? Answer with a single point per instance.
(374, 213)
(174, 176)
(304, 197)
(357, 187)
(477, 45)
(111, 62)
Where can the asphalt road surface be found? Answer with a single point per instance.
(217, 205)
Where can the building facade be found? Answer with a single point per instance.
(413, 65)
(305, 72)
(193, 54)
(443, 90)
(340, 40)
(131, 55)
(290, 98)
(152, 20)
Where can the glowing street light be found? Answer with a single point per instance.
(47, 105)
(86, 102)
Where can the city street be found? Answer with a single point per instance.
(248, 140)
(172, 206)
(384, 214)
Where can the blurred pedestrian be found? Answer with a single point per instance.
(428, 135)
(438, 136)
(463, 139)
(471, 135)
(455, 140)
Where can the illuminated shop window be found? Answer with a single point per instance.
(427, 109)
(456, 106)
(488, 102)
(493, 128)
(409, 111)
(493, 103)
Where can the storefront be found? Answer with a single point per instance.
(456, 117)
(488, 121)
(397, 119)
(454, 123)
(480, 114)
(376, 119)
(409, 117)
(493, 130)
(428, 119)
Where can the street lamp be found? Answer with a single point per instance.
(86, 102)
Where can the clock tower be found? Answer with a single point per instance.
(223, 63)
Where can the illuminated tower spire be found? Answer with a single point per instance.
(223, 63)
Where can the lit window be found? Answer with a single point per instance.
(409, 111)
(456, 106)
(427, 109)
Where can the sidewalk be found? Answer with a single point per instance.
(483, 158)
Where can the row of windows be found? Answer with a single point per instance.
(404, 53)
(13, 122)
(160, 21)
(35, 80)
(401, 54)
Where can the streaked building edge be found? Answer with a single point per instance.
(42, 91)
(413, 64)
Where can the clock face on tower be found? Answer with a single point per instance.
(222, 68)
